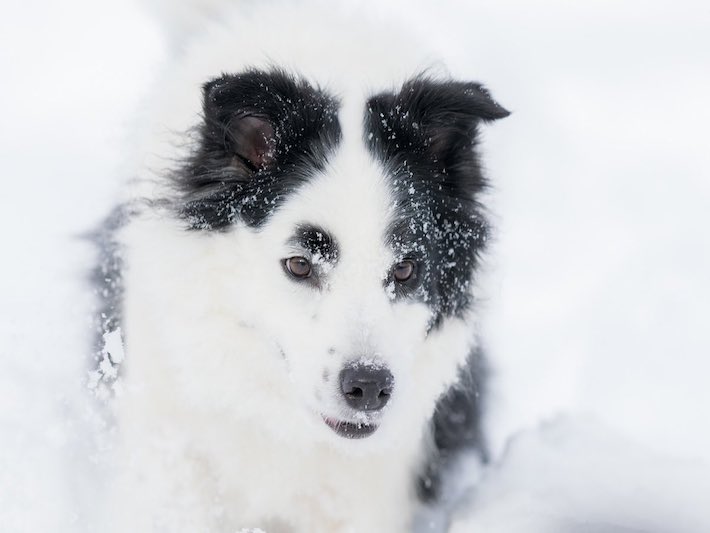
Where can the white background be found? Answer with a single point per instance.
(600, 297)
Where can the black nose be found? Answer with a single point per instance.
(366, 387)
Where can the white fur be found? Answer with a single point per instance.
(220, 417)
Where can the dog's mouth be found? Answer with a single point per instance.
(350, 430)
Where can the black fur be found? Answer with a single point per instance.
(456, 428)
(425, 135)
(264, 134)
(319, 247)
(318, 242)
(107, 280)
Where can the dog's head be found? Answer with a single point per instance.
(356, 231)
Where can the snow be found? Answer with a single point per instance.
(575, 475)
(600, 297)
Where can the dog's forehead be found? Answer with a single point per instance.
(351, 197)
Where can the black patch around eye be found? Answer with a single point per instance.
(317, 241)
(413, 287)
(425, 136)
(320, 250)
(405, 288)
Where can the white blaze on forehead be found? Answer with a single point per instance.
(351, 200)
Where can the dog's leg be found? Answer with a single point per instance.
(457, 449)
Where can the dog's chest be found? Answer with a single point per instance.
(293, 491)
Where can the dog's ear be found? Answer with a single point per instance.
(263, 133)
(437, 118)
(450, 114)
(252, 139)
(239, 120)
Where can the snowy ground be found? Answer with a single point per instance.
(601, 275)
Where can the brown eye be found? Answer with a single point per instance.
(404, 270)
(298, 267)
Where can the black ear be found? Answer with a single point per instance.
(238, 121)
(263, 134)
(252, 139)
(450, 113)
(437, 118)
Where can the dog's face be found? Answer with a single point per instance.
(357, 231)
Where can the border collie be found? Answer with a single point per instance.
(294, 282)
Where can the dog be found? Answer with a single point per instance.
(293, 279)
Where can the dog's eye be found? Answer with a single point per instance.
(404, 270)
(298, 267)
